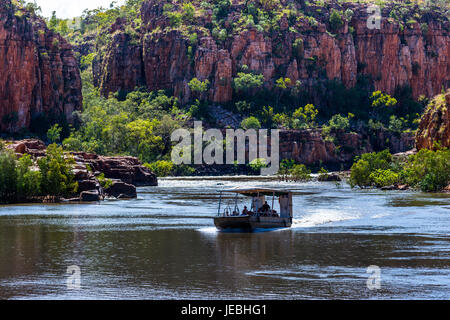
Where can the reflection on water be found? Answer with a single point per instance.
(163, 246)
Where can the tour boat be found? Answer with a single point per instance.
(260, 215)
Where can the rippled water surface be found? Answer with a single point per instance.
(163, 245)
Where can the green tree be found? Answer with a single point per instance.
(54, 133)
(282, 85)
(382, 106)
(304, 117)
(53, 23)
(188, 12)
(8, 176)
(336, 21)
(161, 168)
(28, 180)
(198, 87)
(267, 116)
(245, 83)
(63, 28)
(57, 178)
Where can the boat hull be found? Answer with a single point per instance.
(251, 223)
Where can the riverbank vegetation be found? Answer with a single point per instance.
(24, 179)
(427, 170)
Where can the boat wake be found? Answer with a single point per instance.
(322, 217)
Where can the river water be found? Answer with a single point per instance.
(163, 245)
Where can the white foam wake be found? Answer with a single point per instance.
(323, 216)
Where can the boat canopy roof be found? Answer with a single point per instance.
(253, 192)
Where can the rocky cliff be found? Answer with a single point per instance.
(302, 44)
(39, 74)
(435, 124)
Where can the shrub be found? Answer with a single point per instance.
(251, 123)
(366, 164)
(183, 170)
(339, 122)
(383, 178)
(161, 168)
(323, 174)
(299, 48)
(244, 106)
(428, 170)
(300, 173)
(257, 164)
(336, 21)
(104, 182)
(360, 174)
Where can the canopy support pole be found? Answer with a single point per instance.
(220, 203)
(273, 200)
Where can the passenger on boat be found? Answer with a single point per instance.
(265, 208)
(245, 212)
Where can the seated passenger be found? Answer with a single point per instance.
(265, 208)
(245, 212)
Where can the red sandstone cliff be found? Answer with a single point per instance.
(159, 58)
(38, 72)
(435, 124)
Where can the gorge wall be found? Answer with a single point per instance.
(39, 76)
(434, 126)
(159, 56)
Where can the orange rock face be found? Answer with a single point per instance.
(435, 124)
(39, 74)
(391, 56)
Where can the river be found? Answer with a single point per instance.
(163, 245)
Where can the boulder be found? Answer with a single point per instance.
(121, 189)
(128, 169)
(88, 185)
(90, 196)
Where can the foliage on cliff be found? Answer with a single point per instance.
(435, 123)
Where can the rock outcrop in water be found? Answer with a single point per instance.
(435, 124)
(160, 56)
(39, 76)
(125, 172)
